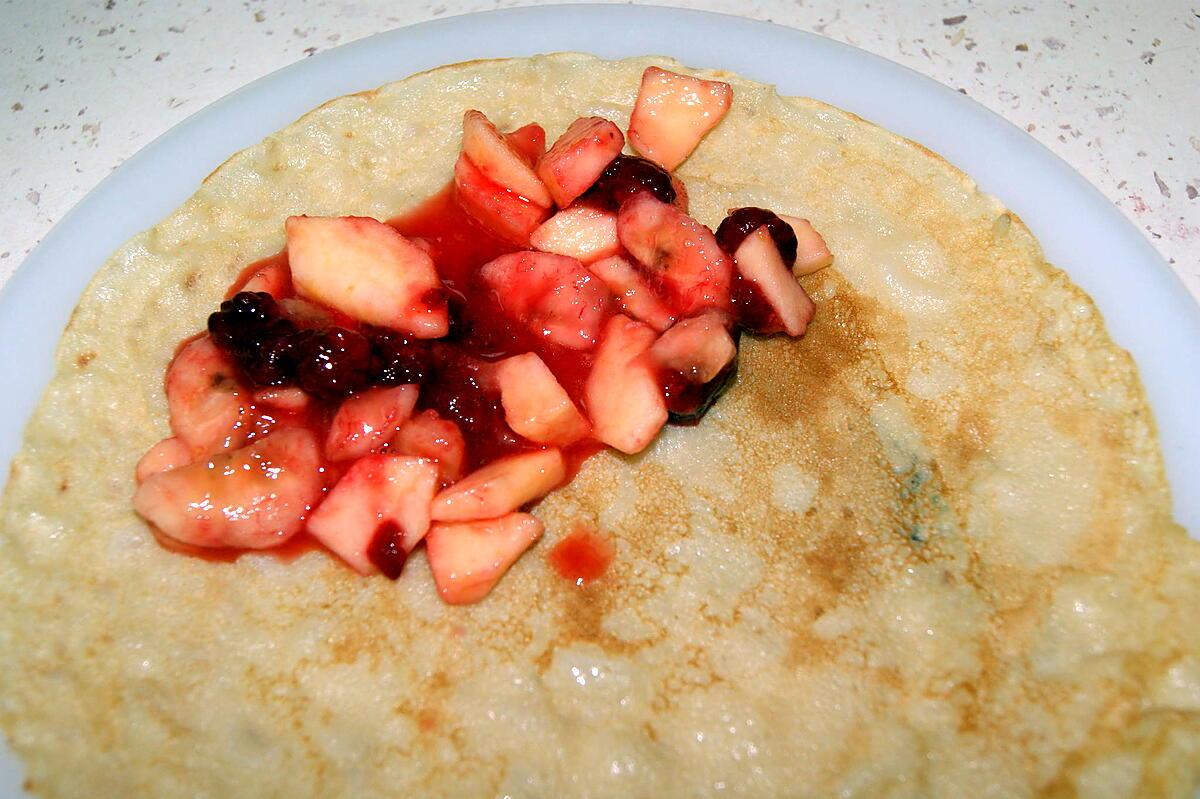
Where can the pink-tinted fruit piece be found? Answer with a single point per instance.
(637, 296)
(535, 404)
(503, 212)
(672, 114)
(251, 498)
(622, 394)
(368, 420)
(468, 558)
(377, 490)
(698, 348)
(428, 435)
(499, 161)
(554, 296)
(170, 453)
(582, 232)
(368, 271)
(528, 140)
(501, 487)
(759, 262)
(209, 407)
(580, 154)
(812, 253)
(679, 251)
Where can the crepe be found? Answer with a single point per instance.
(924, 551)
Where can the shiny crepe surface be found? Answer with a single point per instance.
(924, 551)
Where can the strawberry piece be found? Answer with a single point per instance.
(380, 496)
(578, 157)
(622, 394)
(429, 436)
(251, 498)
(698, 348)
(209, 407)
(672, 114)
(760, 265)
(368, 420)
(582, 232)
(499, 161)
(468, 558)
(501, 211)
(170, 453)
(554, 296)
(501, 487)
(682, 253)
(535, 404)
(812, 253)
(367, 270)
(528, 140)
(636, 295)
(289, 400)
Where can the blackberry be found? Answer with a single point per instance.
(625, 177)
(741, 222)
(398, 359)
(332, 363)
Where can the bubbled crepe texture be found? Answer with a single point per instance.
(924, 551)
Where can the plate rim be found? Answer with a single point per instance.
(896, 98)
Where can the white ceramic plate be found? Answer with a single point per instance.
(1152, 316)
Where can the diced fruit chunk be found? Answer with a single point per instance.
(209, 407)
(502, 486)
(428, 435)
(529, 141)
(251, 498)
(554, 296)
(673, 112)
(368, 420)
(290, 400)
(760, 265)
(367, 270)
(578, 157)
(380, 496)
(679, 251)
(535, 405)
(699, 347)
(170, 453)
(812, 253)
(275, 278)
(637, 296)
(582, 232)
(622, 394)
(499, 161)
(503, 212)
(468, 558)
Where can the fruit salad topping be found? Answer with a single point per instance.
(382, 385)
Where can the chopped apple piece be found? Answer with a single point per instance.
(535, 404)
(698, 348)
(209, 407)
(622, 394)
(170, 453)
(581, 232)
(368, 271)
(468, 558)
(636, 295)
(578, 157)
(428, 435)
(274, 278)
(554, 296)
(290, 400)
(759, 263)
(679, 251)
(251, 498)
(672, 114)
(501, 211)
(499, 161)
(812, 253)
(368, 420)
(528, 140)
(380, 496)
(502, 486)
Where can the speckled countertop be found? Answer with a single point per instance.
(1112, 88)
